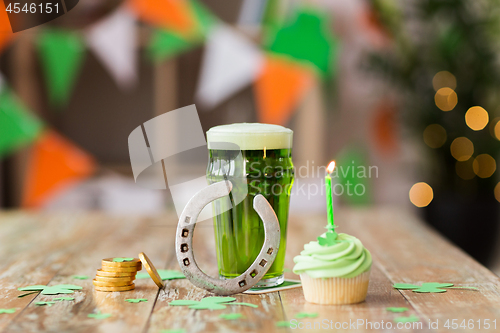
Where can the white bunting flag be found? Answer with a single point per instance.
(114, 41)
(230, 63)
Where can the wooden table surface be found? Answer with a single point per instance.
(48, 249)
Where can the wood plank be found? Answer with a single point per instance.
(126, 237)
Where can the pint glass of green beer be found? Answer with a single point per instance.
(264, 167)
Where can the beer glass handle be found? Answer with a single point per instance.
(184, 242)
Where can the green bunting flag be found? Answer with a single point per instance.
(62, 54)
(353, 174)
(307, 38)
(204, 17)
(17, 126)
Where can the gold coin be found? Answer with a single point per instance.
(100, 272)
(132, 263)
(111, 284)
(151, 269)
(119, 269)
(128, 279)
(124, 288)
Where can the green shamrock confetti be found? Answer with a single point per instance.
(45, 303)
(207, 303)
(99, 315)
(165, 274)
(31, 293)
(397, 310)
(410, 319)
(7, 310)
(118, 259)
(136, 300)
(80, 277)
(306, 315)
(52, 290)
(231, 316)
(245, 304)
(283, 323)
(63, 299)
(431, 287)
(329, 239)
(175, 330)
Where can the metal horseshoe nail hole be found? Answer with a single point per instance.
(184, 242)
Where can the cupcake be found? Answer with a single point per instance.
(335, 269)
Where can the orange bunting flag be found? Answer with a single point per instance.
(5, 29)
(56, 164)
(385, 128)
(279, 88)
(173, 15)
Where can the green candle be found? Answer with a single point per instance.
(328, 189)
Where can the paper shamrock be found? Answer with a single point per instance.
(207, 303)
(231, 316)
(122, 259)
(306, 315)
(329, 239)
(44, 303)
(63, 299)
(136, 300)
(410, 319)
(283, 323)
(80, 277)
(431, 287)
(52, 290)
(7, 310)
(165, 274)
(402, 309)
(99, 315)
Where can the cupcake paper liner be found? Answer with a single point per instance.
(337, 290)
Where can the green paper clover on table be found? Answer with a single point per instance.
(63, 299)
(99, 315)
(136, 300)
(329, 239)
(45, 303)
(165, 274)
(306, 315)
(397, 310)
(207, 303)
(231, 316)
(52, 290)
(80, 277)
(118, 259)
(175, 330)
(410, 319)
(431, 287)
(283, 323)
(7, 310)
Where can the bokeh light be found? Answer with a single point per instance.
(464, 169)
(484, 165)
(497, 130)
(444, 79)
(421, 194)
(462, 148)
(497, 192)
(446, 99)
(476, 118)
(435, 135)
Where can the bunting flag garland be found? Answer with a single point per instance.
(5, 28)
(17, 126)
(230, 63)
(56, 164)
(175, 15)
(62, 55)
(206, 20)
(385, 128)
(280, 87)
(165, 44)
(307, 38)
(114, 41)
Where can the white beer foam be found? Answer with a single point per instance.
(252, 136)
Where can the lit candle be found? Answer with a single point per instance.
(328, 185)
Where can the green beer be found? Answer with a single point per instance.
(262, 166)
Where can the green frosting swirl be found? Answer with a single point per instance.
(346, 257)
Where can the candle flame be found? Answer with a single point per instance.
(330, 167)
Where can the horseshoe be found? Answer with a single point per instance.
(184, 242)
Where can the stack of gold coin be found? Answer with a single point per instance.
(117, 274)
